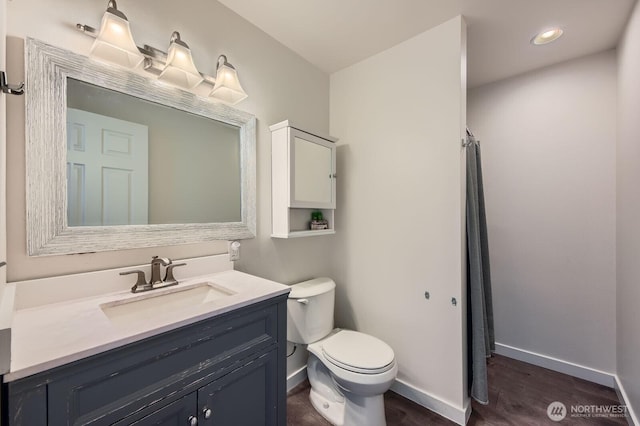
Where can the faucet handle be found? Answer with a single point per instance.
(169, 272)
(141, 281)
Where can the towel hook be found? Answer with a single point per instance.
(11, 89)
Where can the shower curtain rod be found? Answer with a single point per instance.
(469, 139)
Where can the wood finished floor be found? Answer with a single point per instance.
(519, 394)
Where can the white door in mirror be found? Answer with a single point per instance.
(107, 170)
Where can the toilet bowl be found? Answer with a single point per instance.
(347, 385)
(348, 371)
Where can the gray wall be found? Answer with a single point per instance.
(548, 151)
(628, 206)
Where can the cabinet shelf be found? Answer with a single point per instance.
(305, 233)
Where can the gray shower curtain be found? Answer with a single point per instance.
(481, 338)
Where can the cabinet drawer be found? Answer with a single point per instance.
(105, 388)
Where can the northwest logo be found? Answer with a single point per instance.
(557, 411)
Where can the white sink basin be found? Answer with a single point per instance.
(165, 305)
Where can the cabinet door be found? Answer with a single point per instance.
(312, 171)
(179, 413)
(244, 397)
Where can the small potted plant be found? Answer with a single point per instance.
(318, 221)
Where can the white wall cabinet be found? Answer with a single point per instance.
(303, 180)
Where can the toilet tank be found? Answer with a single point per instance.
(310, 310)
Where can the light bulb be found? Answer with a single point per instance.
(547, 36)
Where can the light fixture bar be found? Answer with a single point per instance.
(147, 50)
(114, 43)
(154, 53)
(155, 58)
(87, 29)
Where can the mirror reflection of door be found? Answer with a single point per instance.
(107, 170)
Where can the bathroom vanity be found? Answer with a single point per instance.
(209, 351)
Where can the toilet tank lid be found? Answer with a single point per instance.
(312, 287)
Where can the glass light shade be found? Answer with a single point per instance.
(227, 87)
(180, 69)
(115, 42)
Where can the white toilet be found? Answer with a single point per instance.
(348, 371)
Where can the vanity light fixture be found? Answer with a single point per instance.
(547, 36)
(227, 87)
(114, 42)
(179, 68)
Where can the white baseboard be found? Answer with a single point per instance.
(561, 366)
(632, 419)
(455, 414)
(297, 377)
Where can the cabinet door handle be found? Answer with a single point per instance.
(193, 420)
(206, 412)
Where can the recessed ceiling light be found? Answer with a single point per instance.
(547, 36)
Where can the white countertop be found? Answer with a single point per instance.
(51, 335)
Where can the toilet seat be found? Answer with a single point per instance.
(358, 352)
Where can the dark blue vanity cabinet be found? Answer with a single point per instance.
(225, 371)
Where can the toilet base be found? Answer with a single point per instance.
(356, 411)
(339, 406)
(332, 411)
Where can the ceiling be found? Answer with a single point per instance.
(333, 34)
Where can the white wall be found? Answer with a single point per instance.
(3, 133)
(280, 84)
(548, 151)
(628, 206)
(398, 115)
(5, 318)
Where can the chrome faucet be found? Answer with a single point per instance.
(155, 269)
(156, 280)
